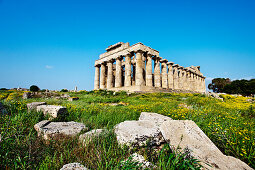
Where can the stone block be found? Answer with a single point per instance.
(186, 136)
(158, 119)
(74, 166)
(73, 98)
(138, 133)
(33, 105)
(52, 110)
(50, 130)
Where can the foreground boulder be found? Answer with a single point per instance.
(87, 137)
(138, 133)
(50, 130)
(74, 166)
(33, 105)
(158, 119)
(52, 110)
(187, 136)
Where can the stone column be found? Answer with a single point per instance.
(184, 79)
(164, 73)
(195, 82)
(128, 70)
(204, 89)
(188, 77)
(149, 70)
(170, 77)
(118, 76)
(139, 80)
(157, 76)
(180, 82)
(110, 74)
(97, 74)
(192, 82)
(102, 76)
(175, 77)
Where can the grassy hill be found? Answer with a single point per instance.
(230, 124)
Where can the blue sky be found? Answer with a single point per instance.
(54, 43)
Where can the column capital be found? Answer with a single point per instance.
(110, 61)
(97, 65)
(119, 57)
(139, 51)
(181, 67)
(170, 63)
(176, 65)
(163, 61)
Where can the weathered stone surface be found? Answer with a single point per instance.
(141, 160)
(138, 132)
(74, 166)
(86, 137)
(33, 105)
(27, 95)
(51, 130)
(73, 98)
(185, 134)
(154, 117)
(52, 110)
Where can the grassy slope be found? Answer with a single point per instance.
(229, 124)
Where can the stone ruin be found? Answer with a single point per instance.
(140, 68)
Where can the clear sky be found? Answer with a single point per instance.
(54, 43)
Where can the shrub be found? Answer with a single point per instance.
(34, 88)
(64, 90)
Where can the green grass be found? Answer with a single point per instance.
(230, 125)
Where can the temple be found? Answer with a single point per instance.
(139, 68)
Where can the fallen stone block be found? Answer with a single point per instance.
(52, 110)
(73, 99)
(74, 166)
(158, 119)
(87, 137)
(185, 135)
(27, 95)
(138, 133)
(50, 130)
(33, 105)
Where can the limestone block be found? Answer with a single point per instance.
(33, 105)
(74, 166)
(52, 110)
(51, 130)
(138, 132)
(27, 95)
(186, 135)
(156, 118)
(73, 98)
(86, 137)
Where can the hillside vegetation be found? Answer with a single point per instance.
(230, 124)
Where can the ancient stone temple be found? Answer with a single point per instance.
(139, 68)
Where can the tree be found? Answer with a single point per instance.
(34, 88)
(218, 84)
(243, 87)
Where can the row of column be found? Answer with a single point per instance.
(169, 75)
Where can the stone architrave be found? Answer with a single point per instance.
(97, 74)
(102, 76)
(110, 74)
(139, 80)
(176, 78)
(170, 77)
(164, 73)
(186, 136)
(149, 71)
(128, 70)
(157, 75)
(118, 77)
